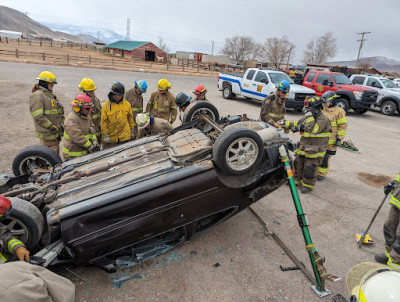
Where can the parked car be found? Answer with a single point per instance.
(388, 92)
(146, 196)
(236, 65)
(351, 96)
(258, 83)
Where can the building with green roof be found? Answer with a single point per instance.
(138, 50)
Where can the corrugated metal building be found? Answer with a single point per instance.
(10, 34)
(139, 50)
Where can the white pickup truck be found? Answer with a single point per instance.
(258, 83)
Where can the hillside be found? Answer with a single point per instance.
(379, 62)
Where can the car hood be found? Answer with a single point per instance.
(353, 87)
(301, 89)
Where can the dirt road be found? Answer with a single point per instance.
(234, 261)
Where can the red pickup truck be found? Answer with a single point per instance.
(352, 96)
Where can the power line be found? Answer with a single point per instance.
(361, 44)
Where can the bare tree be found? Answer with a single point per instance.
(320, 49)
(162, 45)
(279, 50)
(242, 48)
(365, 65)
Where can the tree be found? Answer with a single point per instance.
(279, 50)
(320, 49)
(162, 45)
(242, 48)
(364, 65)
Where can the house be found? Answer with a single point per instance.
(10, 34)
(138, 50)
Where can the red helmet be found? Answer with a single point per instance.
(5, 206)
(82, 101)
(200, 89)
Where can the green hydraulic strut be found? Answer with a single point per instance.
(317, 261)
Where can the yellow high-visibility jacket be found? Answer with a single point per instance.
(117, 120)
(337, 116)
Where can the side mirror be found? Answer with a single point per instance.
(373, 84)
(325, 82)
(263, 80)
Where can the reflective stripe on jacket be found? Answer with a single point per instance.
(162, 106)
(337, 116)
(117, 120)
(135, 100)
(273, 109)
(395, 195)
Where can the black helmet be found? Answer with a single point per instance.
(314, 101)
(117, 88)
(182, 99)
(329, 96)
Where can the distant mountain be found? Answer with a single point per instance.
(11, 19)
(88, 38)
(379, 62)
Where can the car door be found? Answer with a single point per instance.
(375, 84)
(322, 79)
(308, 82)
(257, 87)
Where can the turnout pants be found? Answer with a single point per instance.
(391, 237)
(306, 170)
(54, 144)
(323, 168)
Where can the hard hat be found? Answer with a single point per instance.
(283, 86)
(314, 101)
(87, 85)
(117, 88)
(163, 84)
(329, 96)
(142, 120)
(141, 86)
(82, 101)
(5, 206)
(200, 89)
(48, 77)
(182, 99)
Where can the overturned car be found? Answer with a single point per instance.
(145, 195)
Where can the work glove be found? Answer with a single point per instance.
(106, 139)
(337, 142)
(22, 254)
(298, 128)
(53, 129)
(388, 188)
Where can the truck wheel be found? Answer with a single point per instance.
(227, 92)
(388, 108)
(31, 158)
(201, 107)
(25, 222)
(360, 110)
(343, 103)
(238, 150)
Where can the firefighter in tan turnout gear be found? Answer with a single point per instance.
(47, 112)
(87, 86)
(148, 125)
(315, 130)
(135, 98)
(9, 245)
(79, 134)
(162, 102)
(337, 116)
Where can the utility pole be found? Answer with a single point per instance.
(361, 44)
(128, 29)
(212, 48)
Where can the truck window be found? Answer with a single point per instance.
(260, 75)
(311, 77)
(373, 80)
(323, 76)
(250, 74)
(358, 80)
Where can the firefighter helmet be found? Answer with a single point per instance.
(283, 86)
(82, 101)
(199, 90)
(5, 206)
(142, 120)
(141, 86)
(329, 96)
(87, 85)
(314, 101)
(182, 99)
(117, 88)
(48, 77)
(163, 84)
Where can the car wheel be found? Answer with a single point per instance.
(343, 103)
(227, 92)
(238, 150)
(388, 108)
(25, 222)
(31, 158)
(201, 107)
(360, 110)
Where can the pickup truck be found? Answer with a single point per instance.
(258, 83)
(388, 91)
(352, 96)
(236, 65)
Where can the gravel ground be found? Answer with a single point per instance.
(234, 261)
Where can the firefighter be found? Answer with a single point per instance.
(79, 134)
(162, 102)
(392, 238)
(9, 245)
(200, 92)
(47, 112)
(134, 96)
(273, 108)
(337, 116)
(182, 100)
(88, 87)
(117, 124)
(148, 125)
(316, 130)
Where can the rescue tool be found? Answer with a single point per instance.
(348, 145)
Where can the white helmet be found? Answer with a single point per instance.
(142, 120)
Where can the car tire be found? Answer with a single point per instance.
(388, 108)
(25, 222)
(200, 107)
(33, 157)
(360, 110)
(234, 142)
(343, 103)
(227, 92)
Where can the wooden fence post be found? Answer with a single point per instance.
(61, 45)
(90, 60)
(30, 42)
(18, 40)
(198, 67)
(67, 59)
(150, 64)
(44, 56)
(51, 43)
(40, 43)
(187, 63)
(112, 61)
(6, 39)
(167, 65)
(16, 53)
(133, 64)
(183, 66)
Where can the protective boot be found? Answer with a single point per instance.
(381, 258)
(306, 190)
(320, 178)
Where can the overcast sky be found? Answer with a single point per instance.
(192, 25)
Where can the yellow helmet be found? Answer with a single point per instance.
(163, 84)
(47, 76)
(87, 85)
